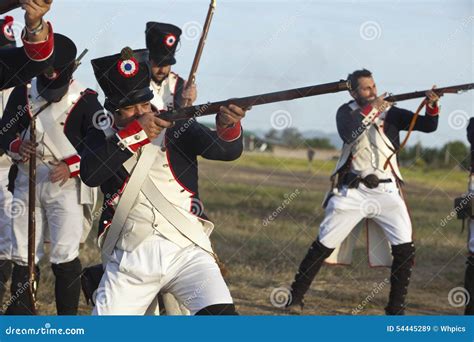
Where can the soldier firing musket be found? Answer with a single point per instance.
(370, 128)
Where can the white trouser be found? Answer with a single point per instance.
(5, 216)
(133, 279)
(383, 204)
(57, 211)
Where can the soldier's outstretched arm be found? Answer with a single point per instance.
(226, 142)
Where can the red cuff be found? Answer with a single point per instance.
(432, 111)
(132, 137)
(39, 51)
(229, 133)
(15, 145)
(74, 164)
(366, 110)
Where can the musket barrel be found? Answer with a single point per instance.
(245, 102)
(439, 91)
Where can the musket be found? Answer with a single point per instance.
(456, 89)
(439, 91)
(250, 101)
(200, 48)
(32, 219)
(32, 200)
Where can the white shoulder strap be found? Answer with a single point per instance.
(129, 195)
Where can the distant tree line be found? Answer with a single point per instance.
(292, 138)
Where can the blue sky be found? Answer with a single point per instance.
(262, 46)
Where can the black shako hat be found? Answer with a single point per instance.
(54, 82)
(162, 40)
(124, 78)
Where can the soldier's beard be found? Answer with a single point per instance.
(363, 101)
(158, 79)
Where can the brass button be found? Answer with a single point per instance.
(137, 137)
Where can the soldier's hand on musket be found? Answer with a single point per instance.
(380, 104)
(189, 94)
(59, 172)
(230, 115)
(37, 30)
(27, 148)
(432, 97)
(152, 125)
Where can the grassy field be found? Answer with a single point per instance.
(262, 255)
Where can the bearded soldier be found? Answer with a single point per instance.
(7, 41)
(369, 127)
(169, 92)
(61, 197)
(154, 234)
(19, 65)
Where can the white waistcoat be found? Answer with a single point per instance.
(50, 122)
(370, 152)
(164, 93)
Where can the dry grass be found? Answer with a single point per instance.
(240, 195)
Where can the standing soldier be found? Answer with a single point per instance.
(369, 127)
(169, 90)
(61, 196)
(469, 277)
(7, 41)
(154, 234)
(19, 65)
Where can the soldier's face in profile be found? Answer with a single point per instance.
(366, 91)
(126, 115)
(159, 73)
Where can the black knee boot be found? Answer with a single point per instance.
(68, 286)
(20, 301)
(5, 273)
(403, 260)
(308, 269)
(469, 285)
